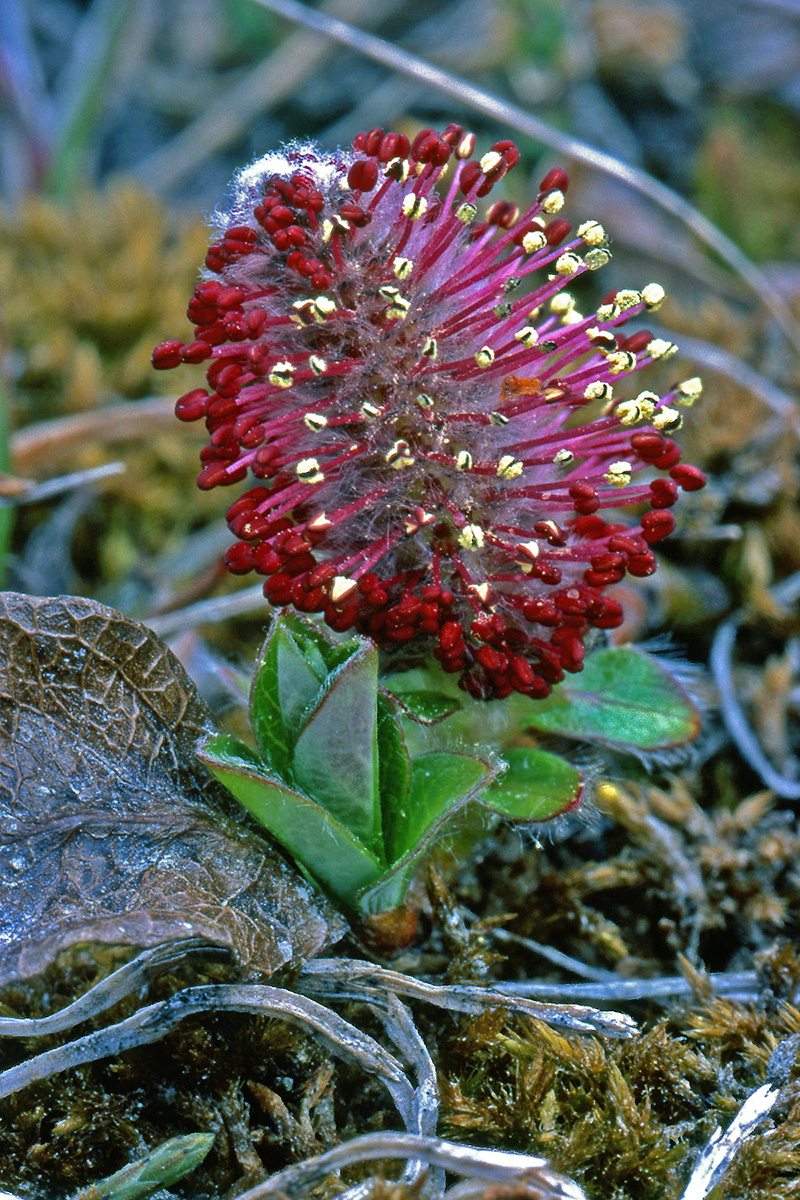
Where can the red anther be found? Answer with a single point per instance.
(367, 583)
(354, 214)
(264, 461)
(635, 342)
(230, 297)
(363, 175)
(547, 572)
(608, 562)
(214, 334)
(359, 141)
(282, 216)
(627, 544)
(453, 135)
(294, 258)
(657, 524)
(254, 322)
(320, 574)
(429, 592)
(551, 532)
(195, 352)
(585, 508)
(239, 558)
(642, 565)
(208, 291)
(322, 279)
(591, 528)
(469, 177)
(555, 180)
(340, 620)
(521, 671)
(296, 235)
(214, 259)
(227, 380)
(450, 636)
(372, 141)
(265, 560)
(556, 231)
(648, 445)
(278, 589)
(502, 214)
(582, 491)
(601, 579)
(192, 406)
(691, 479)
(212, 475)
(664, 493)
(509, 152)
(281, 240)
(220, 408)
(670, 458)
(167, 355)
(611, 616)
(494, 176)
(573, 606)
(490, 660)
(314, 202)
(393, 145)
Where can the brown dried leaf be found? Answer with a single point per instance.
(110, 829)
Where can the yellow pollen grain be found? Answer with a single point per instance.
(463, 460)
(315, 421)
(430, 348)
(619, 361)
(527, 335)
(653, 295)
(509, 467)
(648, 402)
(341, 588)
(399, 455)
(491, 161)
(628, 412)
(667, 420)
(482, 590)
(618, 474)
(318, 365)
(466, 213)
(414, 206)
(424, 400)
(593, 233)
(471, 537)
(485, 356)
(370, 411)
(607, 312)
(627, 298)
(281, 375)
(562, 303)
(596, 259)
(689, 390)
(533, 241)
(562, 457)
(402, 267)
(569, 263)
(598, 390)
(660, 348)
(308, 470)
(496, 418)
(553, 202)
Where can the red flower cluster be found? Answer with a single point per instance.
(382, 360)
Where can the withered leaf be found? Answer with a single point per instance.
(110, 828)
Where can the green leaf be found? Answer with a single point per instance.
(624, 698)
(328, 851)
(427, 707)
(266, 715)
(162, 1167)
(301, 674)
(394, 769)
(536, 785)
(336, 753)
(441, 786)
